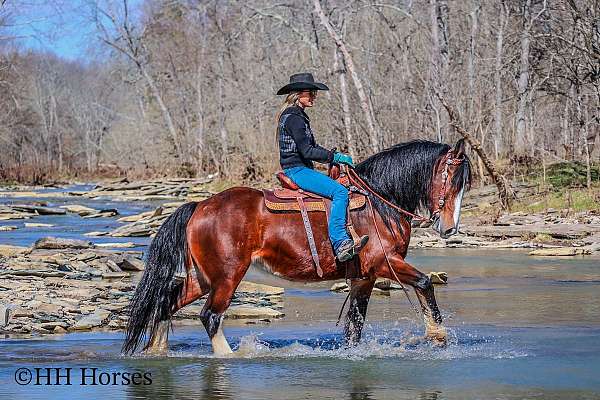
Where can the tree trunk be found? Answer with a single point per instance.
(439, 60)
(498, 80)
(200, 116)
(523, 82)
(340, 69)
(163, 108)
(222, 129)
(365, 102)
(474, 15)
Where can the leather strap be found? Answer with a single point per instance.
(310, 236)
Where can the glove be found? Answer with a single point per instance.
(341, 158)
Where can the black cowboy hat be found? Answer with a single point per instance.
(302, 81)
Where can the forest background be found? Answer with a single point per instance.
(151, 88)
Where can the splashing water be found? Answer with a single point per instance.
(393, 343)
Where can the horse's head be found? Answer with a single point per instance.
(451, 177)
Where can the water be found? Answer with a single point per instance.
(71, 226)
(519, 327)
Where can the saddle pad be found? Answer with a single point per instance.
(317, 203)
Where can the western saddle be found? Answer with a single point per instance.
(290, 198)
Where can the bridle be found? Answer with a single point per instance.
(447, 160)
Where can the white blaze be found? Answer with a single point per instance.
(457, 204)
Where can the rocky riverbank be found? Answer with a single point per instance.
(60, 285)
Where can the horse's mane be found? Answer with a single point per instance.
(402, 175)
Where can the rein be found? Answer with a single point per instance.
(353, 176)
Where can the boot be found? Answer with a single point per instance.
(349, 249)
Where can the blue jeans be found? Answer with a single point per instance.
(313, 181)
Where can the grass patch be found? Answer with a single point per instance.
(571, 174)
(576, 199)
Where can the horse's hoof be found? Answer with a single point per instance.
(437, 337)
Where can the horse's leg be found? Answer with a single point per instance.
(189, 292)
(360, 293)
(217, 302)
(158, 343)
(423, 287)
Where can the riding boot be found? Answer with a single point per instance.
(349, 249)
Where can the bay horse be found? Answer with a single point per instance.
(217, 239)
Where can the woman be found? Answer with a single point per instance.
(298, 150)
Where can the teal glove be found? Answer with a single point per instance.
(341, 158)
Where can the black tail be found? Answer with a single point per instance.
(153, 297)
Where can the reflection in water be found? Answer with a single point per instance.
(429, 395)
(176, 379)
(360, 383)
(215, 377)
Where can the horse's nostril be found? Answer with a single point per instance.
(449, 232)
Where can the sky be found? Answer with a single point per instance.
(63, 27)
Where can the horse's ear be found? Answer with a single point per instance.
(459, 148)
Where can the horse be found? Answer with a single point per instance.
(217, 240)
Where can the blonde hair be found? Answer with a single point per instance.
(290, 100)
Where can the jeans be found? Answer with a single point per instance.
(315, 182)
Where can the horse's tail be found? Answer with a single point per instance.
(155, 294)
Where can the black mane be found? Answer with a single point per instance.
(402, 175)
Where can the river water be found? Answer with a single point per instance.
(520, 327)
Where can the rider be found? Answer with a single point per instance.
(298, 150)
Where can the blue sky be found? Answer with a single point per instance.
(63, 27)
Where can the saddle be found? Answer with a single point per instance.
(290, 198)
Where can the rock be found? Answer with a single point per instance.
(19, 311)
(103, 213)
(48, 308)
(11, 251)
(5, 314)
(133, 264)
(116, 245)
(59, 329)
(40, 274)
(96, 233)
(37, 225)
(87, 256)
(339, 287)
(561, 251)
(113, 266)
(60, 243)
(387, 284)
(114, 275)
(439, 278)
(78, 209)
(92, 320)
(137, 217)
(51, 326)
(40, 209)
(251, 287)
(6, 228)
(248, 312)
